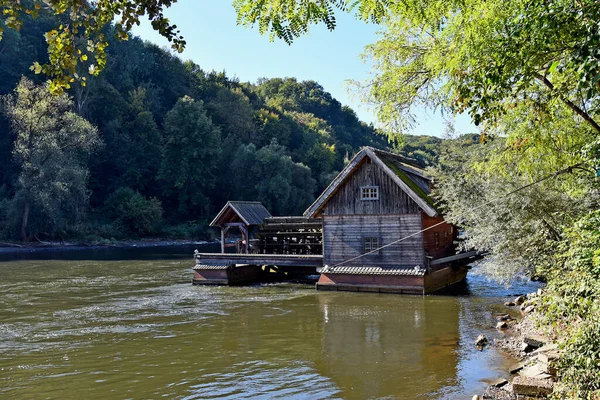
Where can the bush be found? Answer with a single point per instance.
(133, 213)
(571, 306)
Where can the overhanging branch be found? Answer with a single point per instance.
(586, 117)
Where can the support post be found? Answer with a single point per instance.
(245, 237)
(224, 230)
(222, 241)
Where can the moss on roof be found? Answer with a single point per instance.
(409, 182)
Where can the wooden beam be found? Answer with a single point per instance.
(223, 235)
(281, 260)
(222, 241)
(245, 237)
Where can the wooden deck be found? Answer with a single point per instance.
(279, 260)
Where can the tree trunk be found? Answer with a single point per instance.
(25, 221)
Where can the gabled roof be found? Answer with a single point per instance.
(249, 212)
(403, 171)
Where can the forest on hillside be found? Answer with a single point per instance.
(162, 144)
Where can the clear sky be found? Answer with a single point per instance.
(214, 41)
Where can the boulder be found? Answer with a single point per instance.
(520, 300)
(535, 341)
(481, 341)
(526, 348)
(532, 386)
(529, 309)
(502, 325)
(510, 304)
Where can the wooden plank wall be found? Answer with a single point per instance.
(446, 235)
(343, 239)
(392, 199)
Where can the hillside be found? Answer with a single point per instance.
(178, 142)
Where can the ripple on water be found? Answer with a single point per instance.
(122, 329)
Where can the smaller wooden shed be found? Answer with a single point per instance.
(245, 215)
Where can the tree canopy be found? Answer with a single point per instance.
(77, 41)
(178, 141)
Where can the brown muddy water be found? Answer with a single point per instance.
(104, 327)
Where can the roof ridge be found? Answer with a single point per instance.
(409, 159)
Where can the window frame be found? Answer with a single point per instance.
(371, 192)
(371, 243)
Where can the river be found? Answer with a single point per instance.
(127, 324)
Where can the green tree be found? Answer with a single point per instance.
(133, 213)
(191, 156)
(270, 176)
(78, 38)
(51, 147)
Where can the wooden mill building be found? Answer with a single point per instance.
(380, 232)
(374, 216)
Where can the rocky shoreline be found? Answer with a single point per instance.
(533, 376)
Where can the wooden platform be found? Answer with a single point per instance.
(279, 260)
(232, 269)
(390, 280)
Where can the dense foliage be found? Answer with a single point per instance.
(171, 144)
(76, 41)
(572, 308)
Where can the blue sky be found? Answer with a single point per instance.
(214, 41)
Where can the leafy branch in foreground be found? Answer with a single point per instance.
(78, 42)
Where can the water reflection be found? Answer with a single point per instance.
(383, 346)
(126, 329)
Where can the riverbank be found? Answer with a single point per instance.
(534, 375)
(8, 248)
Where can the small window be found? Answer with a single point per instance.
(370, 244)
(369, 193)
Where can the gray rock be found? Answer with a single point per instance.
(494, 393)
(549, 356)
(529, 309)
(510, 304)
(502, 325)
(526, 348)
(532, 386)
(546, 348)
(537, 370)
(499, 382)
(481, 341)
(520, 300)
(535, 341)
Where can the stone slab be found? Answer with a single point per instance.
(532, 386)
